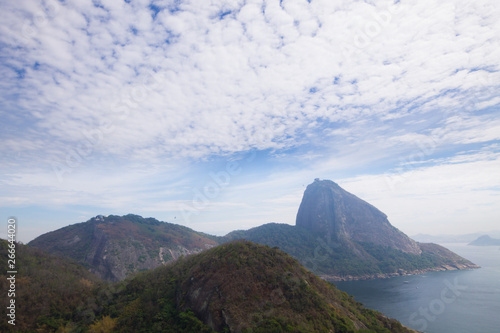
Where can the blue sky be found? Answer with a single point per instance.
(217, 114)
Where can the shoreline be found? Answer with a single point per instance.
(455, 267)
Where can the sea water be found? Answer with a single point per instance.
(440, 302)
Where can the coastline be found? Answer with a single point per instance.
(454, 267)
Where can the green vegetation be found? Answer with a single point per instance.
(50, 291)
(390, 260)
(243, 287)
(336, 259)
(238, 286)
(114, 245)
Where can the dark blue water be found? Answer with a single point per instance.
(440, 302)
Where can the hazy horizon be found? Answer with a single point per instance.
(494, 233)
(217, 116)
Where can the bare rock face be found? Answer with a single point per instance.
(113, 247)
(330, 211)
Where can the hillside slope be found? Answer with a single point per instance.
(113, 247)
(240, 287)
(236, 287)
(50, 291)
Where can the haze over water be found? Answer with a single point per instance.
(440, 302)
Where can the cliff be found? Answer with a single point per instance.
(342, 218)
(341, 237)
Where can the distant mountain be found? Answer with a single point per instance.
(113, 246)
(463, 238)
(341, 237)
(485, 241)
(241, 287)
(337, 236)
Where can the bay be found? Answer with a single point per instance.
(440, 302)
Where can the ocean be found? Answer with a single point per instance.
(440, 302)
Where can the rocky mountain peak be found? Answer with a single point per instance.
(332, 212)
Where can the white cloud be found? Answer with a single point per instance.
(457, 195)
(258, 61)
(343, 86)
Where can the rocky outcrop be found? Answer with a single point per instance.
(341, 237)
(341, 217)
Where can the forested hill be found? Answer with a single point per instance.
(240, 287)
(50, 291)
(236, 287)
(335, 262)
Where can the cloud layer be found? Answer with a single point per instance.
(119, 93)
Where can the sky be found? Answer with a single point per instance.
(217, 114)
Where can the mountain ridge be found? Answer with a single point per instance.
(337, 236)
(114, 247)
(238, 286)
